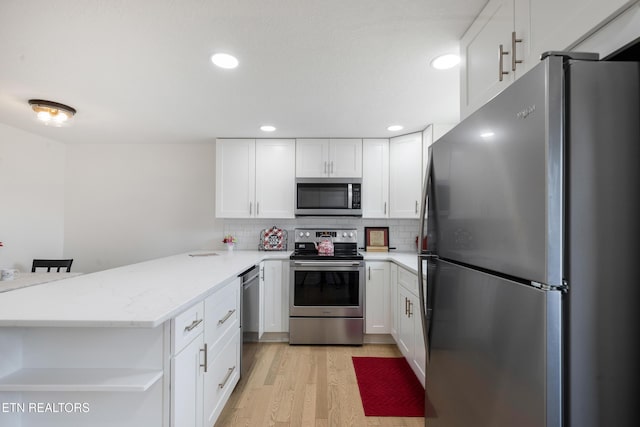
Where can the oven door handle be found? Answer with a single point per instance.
(327, 263)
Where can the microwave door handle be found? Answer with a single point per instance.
(349, 196)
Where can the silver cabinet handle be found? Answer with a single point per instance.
(325, 167)
(331, 167)
(514, 61)
(226, 317)
(416, 206)
(369, 273)
(193, 325)
(226, 378)
(250, 207)
(385, 208)
(406, 306)
(410, 309)
(501, 54)
(257, 208)
(206, 357)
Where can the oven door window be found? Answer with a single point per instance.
(326, 289)
(323, 196)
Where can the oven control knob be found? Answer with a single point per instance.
(344, 234)
(301, 234)
(307, 234)
(350, 234)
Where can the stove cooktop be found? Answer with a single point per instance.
(345, 243)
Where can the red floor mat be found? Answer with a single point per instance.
(389, 388)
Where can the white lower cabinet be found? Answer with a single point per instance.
(223, 373)
(377, 309)
(205, 371)
(186, 385)
(274, 280)
(409, 335)
(393, 299)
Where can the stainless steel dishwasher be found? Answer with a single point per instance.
(249, 318)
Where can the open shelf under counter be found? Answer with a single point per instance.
(80, 379)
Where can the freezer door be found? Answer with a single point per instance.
(497, 189)
(494, 351)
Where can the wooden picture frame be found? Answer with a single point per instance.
(376, 239)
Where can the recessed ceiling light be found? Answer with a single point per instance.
(267, 128)
(394, 128)
(224, 60)
(444, 62)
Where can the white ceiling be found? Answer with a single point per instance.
(140, 71)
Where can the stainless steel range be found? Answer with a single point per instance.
(326, 300)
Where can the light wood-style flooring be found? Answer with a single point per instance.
(305, 386)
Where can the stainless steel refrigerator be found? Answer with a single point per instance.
(530, 311)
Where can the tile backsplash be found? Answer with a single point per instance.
(402, 232)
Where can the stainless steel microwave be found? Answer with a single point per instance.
(328, 196)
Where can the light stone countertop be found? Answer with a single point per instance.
(145, 294)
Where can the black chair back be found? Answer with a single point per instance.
(51, 263)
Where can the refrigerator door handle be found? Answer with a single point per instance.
(422, 256)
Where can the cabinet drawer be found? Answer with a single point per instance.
(221, 312)
(186, 326)
(409, 280)
(222, 375)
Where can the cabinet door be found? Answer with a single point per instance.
(275, 178)
(406, 325)
(480, 74)
(187, 386)
(431, 134)
(375, 178)
(312, 158)
(546, 25)
(222, 375)
(274, 296)
(345, 158)
(377, 312)
(235, 178)
(405, 175)
(393, 300)
(418, 358)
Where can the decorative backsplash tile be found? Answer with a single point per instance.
(402, 232)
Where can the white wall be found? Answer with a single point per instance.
(133, 202)
(31, 198)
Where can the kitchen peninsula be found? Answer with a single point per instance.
(125, 346)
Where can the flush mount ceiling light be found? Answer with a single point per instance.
(394, 128)
(224, 60)
(267, 128)
(444, 62)
(52, 113)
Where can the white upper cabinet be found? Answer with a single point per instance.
(375, 178)
(340, 158)
(275, 178)
(405, 175)
(255, 178)
(431, 134)
(508, 37)
(235, 178)
(483, 71)
(558, 25)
